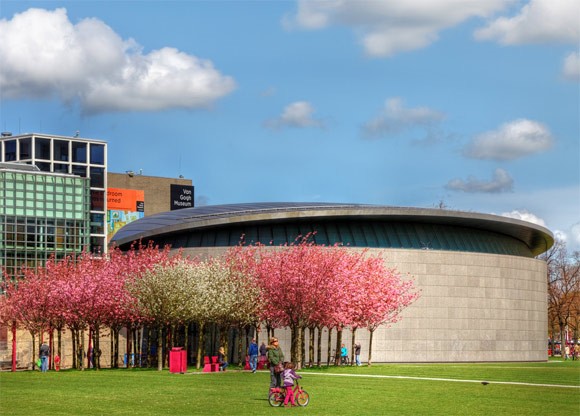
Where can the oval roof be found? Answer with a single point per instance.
(537, 238)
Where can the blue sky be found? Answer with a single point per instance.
(472, 104)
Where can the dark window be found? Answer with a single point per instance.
(42, 149)
(79, 151)
(97, 224)
(80, 171)
(43, 166)
(25, 149)
(97, 245)
(97, 200)
(60, 168)
(60, 150)
(97, 154)
(97, 177)
(10, 150)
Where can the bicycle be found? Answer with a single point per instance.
(278, 395)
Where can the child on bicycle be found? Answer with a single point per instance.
(288, 377)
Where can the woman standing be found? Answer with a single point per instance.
(275, 357)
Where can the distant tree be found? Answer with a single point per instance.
(563, 288)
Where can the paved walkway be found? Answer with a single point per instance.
(514, 383)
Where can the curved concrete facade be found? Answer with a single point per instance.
(474, 306)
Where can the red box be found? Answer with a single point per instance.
(177, 360)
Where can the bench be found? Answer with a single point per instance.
(210, 364)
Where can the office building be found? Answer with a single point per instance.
(86, 158)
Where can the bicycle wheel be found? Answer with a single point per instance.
(302, 398)
(276, 399)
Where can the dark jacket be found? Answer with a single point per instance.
(44, 350)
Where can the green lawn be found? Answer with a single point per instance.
(378, 390)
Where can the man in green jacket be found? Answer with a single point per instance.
(275, 356)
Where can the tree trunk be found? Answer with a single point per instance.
(13, 346)
(302, 346)
(82, 349)
(51, 343)
(319, 346)
(563, 340)
(372, 331)
(329, 346)
(352, 347)
(128, 347)
(159, 347)
(295, 346)
(311, 346)
(338, 345)
(90, 349)
(59, 344)
(115, 348)
(74, 348)
(97, 349)
(241, 355)
(200, 345)
(34, 353)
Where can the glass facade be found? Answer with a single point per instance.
(41, 215)
(67, 155)
(354, 233)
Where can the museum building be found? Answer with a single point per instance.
(483, 293)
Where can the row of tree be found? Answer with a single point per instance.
(563, 292)
(298, 286)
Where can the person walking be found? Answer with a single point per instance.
(276, 359)
(253, 353)
(263, 350)
(222, 359)
(44, 354)
(357, 353)
(343, 354)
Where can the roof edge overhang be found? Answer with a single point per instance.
(536, 237)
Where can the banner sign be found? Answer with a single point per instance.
(123, 206)
(181, 196)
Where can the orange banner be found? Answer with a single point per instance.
(124, 199)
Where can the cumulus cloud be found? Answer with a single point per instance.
(395, 118)
(539, 21)
(43, 54)
(501, 182)
(571, 68)
(389, 27)
(510, 141)
(296, 115)
(524, 215)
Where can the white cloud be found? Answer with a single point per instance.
(575, 235)
(570, 236)
(43, 54)
(539, 21)
(389, 27)
(524, 215)
(571, 68)
(394, 118)
(510, 141)
(557, 206)
(501, 182)
(296, 115)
